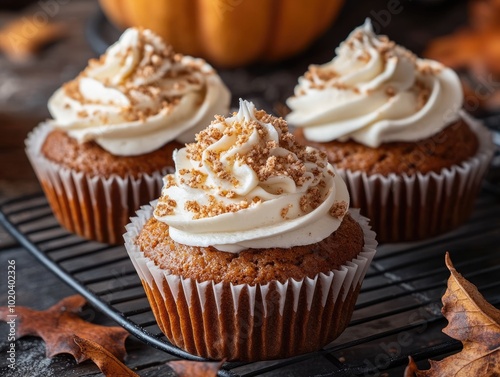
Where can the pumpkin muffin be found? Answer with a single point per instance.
(393, 127)
(115, 128)
(250, 253)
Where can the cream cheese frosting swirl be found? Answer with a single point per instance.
(139, 96)
(373, 92)
(245, 183)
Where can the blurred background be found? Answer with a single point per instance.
(260, 48)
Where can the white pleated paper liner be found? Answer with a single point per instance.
(96, 208)
(251, 322)
(410, 208)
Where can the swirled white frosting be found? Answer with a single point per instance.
(246, 183)
(374, 92)
(139, 96)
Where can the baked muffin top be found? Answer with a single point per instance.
(452, 146)
(251, 266)
(93, 160)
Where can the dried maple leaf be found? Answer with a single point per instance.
(58, 325)
(186, 368)
(105, 360)
(110, 366)
(473, 321)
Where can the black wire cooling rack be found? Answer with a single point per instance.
(397, 313)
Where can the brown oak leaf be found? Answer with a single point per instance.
(58, 325)
(110, 366)
(105, 360)
(186, 368)
(473, 321)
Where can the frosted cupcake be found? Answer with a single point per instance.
(114, 129)
(250, 253)
(392, 125)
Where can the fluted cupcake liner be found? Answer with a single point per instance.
(93, 207)
(251, 322)
(409, 208)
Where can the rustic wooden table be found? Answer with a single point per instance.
(24, 90)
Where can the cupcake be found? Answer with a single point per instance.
(250, 253)
(114, 129)
(393, 127)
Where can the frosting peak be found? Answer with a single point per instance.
(374, 91)
(140, 57)
(138, 96)
(246, 183)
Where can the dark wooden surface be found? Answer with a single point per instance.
(25, 88)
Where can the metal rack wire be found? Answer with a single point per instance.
(397, 313)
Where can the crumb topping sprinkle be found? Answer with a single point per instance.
(240, 162)
(373, 92)
(147, 75)
(357, 47)
(139, 96)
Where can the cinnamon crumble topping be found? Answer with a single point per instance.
(169, 181)
(390, 91)
(166, 206)
(142, 81)
(284, 211)
(423, 93)
(274, 152)
(317, 72)
(214, 207)
(82, 114)
(338, 209)
(428, 69)
(321, 77)
(311, 200)
(193, 178)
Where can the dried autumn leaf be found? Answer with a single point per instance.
(186, 368)
(110, 366)
(412, 369)
(58, 325)
(105, 360)
(19, 44)
(473, 321)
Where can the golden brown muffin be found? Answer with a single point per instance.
(411, 190)
(113, 129)
(98, 210)
(92, 192)
(261, 304)
(394, 127)
(265, 292)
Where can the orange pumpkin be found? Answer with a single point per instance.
(229, 33)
